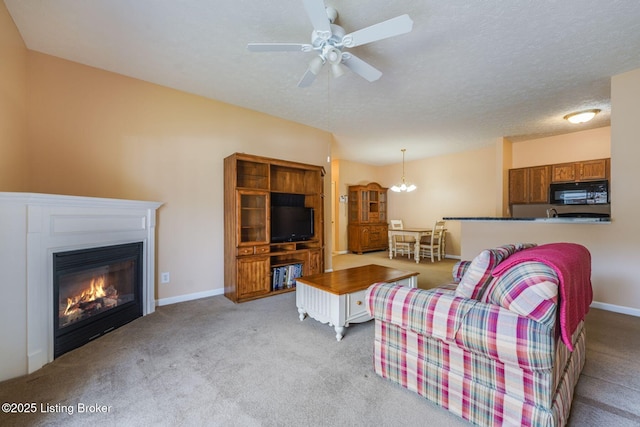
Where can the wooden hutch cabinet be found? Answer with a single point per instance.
(254, 266)
(367, 218)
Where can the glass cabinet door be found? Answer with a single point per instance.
(382, 206)
(364, 205)
(353, 206)
(253, 217)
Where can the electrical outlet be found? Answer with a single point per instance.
(165, 277)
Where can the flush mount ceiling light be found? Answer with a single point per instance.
(581, 116)
(403, 186)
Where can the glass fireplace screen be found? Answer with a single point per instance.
(92, 291)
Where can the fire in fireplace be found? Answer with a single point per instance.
(95, 291)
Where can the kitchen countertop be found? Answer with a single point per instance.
(547, 220)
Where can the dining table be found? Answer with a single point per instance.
(417, 233)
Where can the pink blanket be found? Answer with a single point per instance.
(572, 264)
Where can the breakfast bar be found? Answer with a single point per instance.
(552, 220)
(479, 233)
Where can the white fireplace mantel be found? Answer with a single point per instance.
(32, 228)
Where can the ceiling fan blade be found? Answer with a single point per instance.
(279, 47)
(360, 67)
(307, 79)
(315, 65)
(389, 28)
(318, 16)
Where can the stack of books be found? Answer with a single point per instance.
(285, 277)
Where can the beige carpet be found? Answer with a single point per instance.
(431, 274)
(214, 363)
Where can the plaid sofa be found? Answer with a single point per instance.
(486, 348)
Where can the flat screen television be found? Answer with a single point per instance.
(291, 223)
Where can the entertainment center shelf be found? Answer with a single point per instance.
(274, 224)
(288, 247)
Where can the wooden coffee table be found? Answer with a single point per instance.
(337, 298)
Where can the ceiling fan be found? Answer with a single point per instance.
(328, 40)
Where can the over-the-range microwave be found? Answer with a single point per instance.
(579, 193)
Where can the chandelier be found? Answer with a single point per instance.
(403, 186)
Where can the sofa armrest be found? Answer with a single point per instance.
(437, 312)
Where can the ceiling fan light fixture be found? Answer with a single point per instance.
(316, 64)
(581, 116)
(333, 55)
(337, 70)
(403, 187)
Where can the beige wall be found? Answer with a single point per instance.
(571, 147)
(460, 184)
(472, 183)
(13, 110)
(96, 133)
(348, 173)
(625, 154)
(613, 247)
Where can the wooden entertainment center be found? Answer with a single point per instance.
(254, 266)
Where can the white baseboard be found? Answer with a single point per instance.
(616, 308)
(189, 297)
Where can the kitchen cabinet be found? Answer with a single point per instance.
(518, 185)
(529, 185)
(594, 169)
(564, 172)
(581, 171)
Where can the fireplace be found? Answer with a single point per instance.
(95, 291)
(37, 230)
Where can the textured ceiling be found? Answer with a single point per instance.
(469, 73)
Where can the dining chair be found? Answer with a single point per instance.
(433, 245)
(400, 244)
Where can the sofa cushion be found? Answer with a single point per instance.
(529, 289)
(503, 335)
(478, 275)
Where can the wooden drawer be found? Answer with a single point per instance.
(262, 249)
(251, 250)
(378, 237)
(245, 250)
